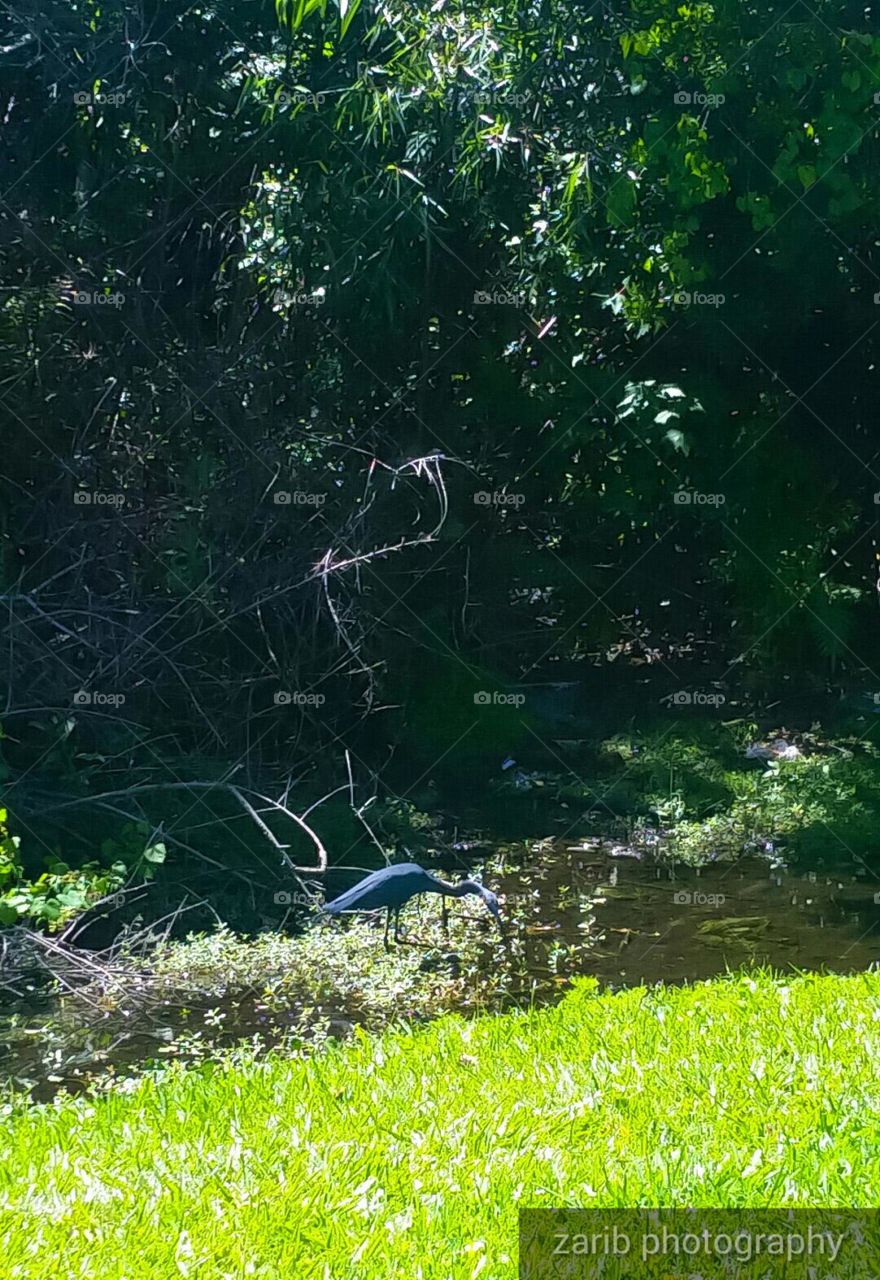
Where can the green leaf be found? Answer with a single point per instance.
(72, 898)
(292, 13)
(347, 11)
(155, 853)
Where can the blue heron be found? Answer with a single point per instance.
(393, 886)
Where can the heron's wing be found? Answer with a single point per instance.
(387, 887)
(351, 900)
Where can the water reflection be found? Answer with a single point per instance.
(651, 922)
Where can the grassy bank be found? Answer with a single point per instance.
(407, 1155)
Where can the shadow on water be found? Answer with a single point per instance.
(588, 908)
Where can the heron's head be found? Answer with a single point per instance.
(474, 886)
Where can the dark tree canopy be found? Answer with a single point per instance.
(359, 357)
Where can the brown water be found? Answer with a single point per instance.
(570, 909)
(649, 923)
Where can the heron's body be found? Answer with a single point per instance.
(392, 887)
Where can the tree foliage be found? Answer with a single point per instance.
(364, 351)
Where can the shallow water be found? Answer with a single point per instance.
(652, 923)
(571, 908)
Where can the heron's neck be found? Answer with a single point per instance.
(452, 890)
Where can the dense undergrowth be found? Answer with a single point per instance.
(192, 1000)
(692, 793)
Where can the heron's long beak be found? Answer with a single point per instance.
(492, 907)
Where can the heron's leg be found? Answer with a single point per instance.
(407, 940)
(397, 924)
(444, 914)
(387, 926)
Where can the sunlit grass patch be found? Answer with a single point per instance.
(407, 1155)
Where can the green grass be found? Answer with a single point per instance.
(407, 1155)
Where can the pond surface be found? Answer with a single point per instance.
(651, 923)
(571, 908)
